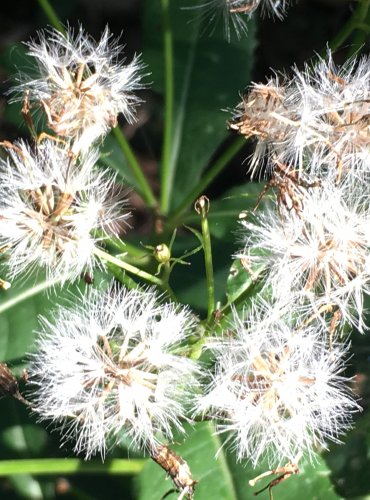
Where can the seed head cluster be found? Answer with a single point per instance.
(318, 256)
(116, 364)
(314, 133)
(57, 205)
(311, 130)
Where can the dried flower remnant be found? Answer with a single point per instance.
(9, 384)
(51, 204)
(320, 254)
(291, 189)
(245, 6)
(255, 117)
(277, 392)
(112, 365)
(275, 7)
(81, 85)
(283, 473)
(177, 469)
(235, 13)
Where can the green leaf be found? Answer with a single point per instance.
(13, 60)
(112, 157)
(223, 479)
(350, 462)
(20, 307)
(27, 487)
(209, 74)
(241, 281)
(19, 437)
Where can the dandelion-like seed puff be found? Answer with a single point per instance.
(111, 365)
(50, 206)
(321, 112)
(320, 255)
(334, 104)
(276, 392)
(82, 86)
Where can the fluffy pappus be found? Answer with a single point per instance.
(277, 392)
(319, 253)
(82, 85)
(51, 205)
(111, 365)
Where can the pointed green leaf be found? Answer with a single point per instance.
(209, 74)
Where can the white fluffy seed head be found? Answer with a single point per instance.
(112, 365)
(334, 108)
(320, 254)
(81, 85)
(276, 392)
(51, 203)
(321, 112)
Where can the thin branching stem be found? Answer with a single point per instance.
(167, 168)
(127, 267)
(134, 270)
(202, 207)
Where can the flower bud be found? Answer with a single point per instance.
(162, 253)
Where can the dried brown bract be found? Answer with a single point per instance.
(9, 384)
(177, 469)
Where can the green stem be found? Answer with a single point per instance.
(70, 466)
(165, 281)
(144, 188)
(166, 272)
(28, 293)
(127, 267)
(202, 207)
(215, 215)
(206, 179)
(167, 169)
(120, 245)
(358, 17)
(51, 15)
(134, 270)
